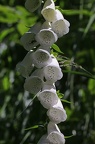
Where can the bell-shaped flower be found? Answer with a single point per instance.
(32, 5)
(57, 113)
(41, 58)
(54, 134)
(48, 97)
(46, 37)
(52, 71)
(60, 26)
(28, 39)
(26, 66)
(44, 140)
(34, 83)
(48, 11)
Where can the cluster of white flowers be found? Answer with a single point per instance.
(41, 69)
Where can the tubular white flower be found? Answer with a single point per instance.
(34, 83)
(48, 11)
(32, 5)
(52, 71)
(28, 39)
(26, 66)
(41, 58)
(46, 37)
(60, 26)
(48, 96)
(54, 134)
(57, 113)
(43, 140)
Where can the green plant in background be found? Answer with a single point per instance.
(79, 50)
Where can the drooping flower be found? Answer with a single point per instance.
(48, 96)
(34, 83)
(46, 37)
(60, 26)
(48, 11)
(41, 58)
(28, 39)
(32, 5)
(57, 113)
(54, 134)
(53, 71)
(26, 66)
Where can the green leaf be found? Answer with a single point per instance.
(33, 127)
(63, 100)
(90, 22)
(75, 12)
(56, 48)
(69, 136)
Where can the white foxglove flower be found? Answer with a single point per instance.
(34, 83)
(48, 11)
(52, 71)
(48, 96)
(43, 140)
(54, 134)
(46, 37)
(57, 113)
(26, 66)
(28, 39)
(41, 58)
(32, 5)
(60, 26)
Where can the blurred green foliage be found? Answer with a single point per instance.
(76, 54)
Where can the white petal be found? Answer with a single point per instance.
(41, 58)
(46, 37)
(35, 28)
(24, 70)
(48, 98)
(56, 138)
(33, 84)
(26, 66)
(32, 5)
(52, 127)
(60, 26)
(44, 47)
(46, 25)
(48, 11)
(28, 41)
(43, 140)
(52, 71)
(57, 114)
